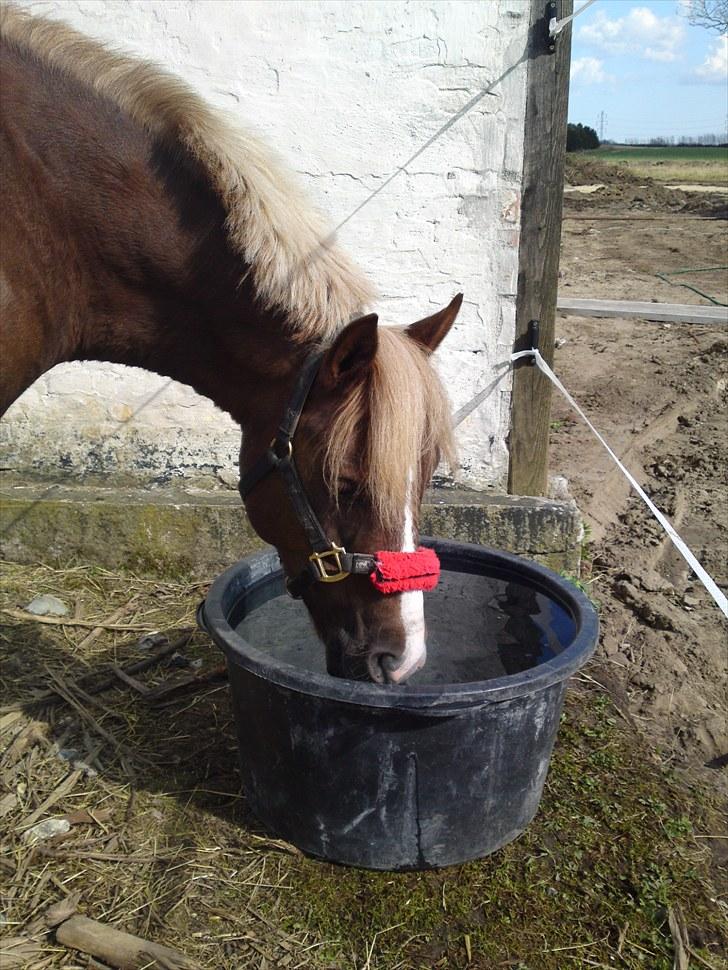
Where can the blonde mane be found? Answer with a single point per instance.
(295, 267)
(401, 418)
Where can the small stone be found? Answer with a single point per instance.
(651, 581)
(229, 477)
(558, 488)
(88, 771)
(47, 605)
(690, 600)
(626, 592)
(150, 640)
(46, 830)
(68, 754)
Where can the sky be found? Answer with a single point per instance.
(648, 70)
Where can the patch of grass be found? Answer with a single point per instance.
(700, 166)
(701, 153)
(611, 850)
(581, 584)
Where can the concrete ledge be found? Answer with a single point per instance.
(197, 534)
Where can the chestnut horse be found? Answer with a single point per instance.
(140, 228)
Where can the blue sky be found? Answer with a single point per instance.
(648, 70)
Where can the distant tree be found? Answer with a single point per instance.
(711, 14)
(581, 138)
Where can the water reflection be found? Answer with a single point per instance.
(478, 628)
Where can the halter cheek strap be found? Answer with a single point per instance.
(390, 572)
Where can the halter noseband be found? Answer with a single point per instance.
(390, 572)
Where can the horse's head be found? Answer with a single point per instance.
(364, 429)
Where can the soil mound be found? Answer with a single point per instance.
(622, 187)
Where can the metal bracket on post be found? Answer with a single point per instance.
(533, 335)
(555, 26)
(550, 23)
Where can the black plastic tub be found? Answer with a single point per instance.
(446, 768)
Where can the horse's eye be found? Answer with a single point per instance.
(347, 489)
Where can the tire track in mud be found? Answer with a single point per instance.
(658, 398)
(616, 489)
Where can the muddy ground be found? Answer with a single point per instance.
(658, 394)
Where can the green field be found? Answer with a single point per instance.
(695, 165)
(668, 153)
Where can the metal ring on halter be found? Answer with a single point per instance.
(278, 458)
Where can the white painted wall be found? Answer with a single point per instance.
(347, 91)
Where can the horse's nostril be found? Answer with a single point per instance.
(398, 669)
(380, 664)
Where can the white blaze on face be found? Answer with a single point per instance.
(412, 607)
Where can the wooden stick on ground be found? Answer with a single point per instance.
(18, 951)
(58, 792)
(70, 621)
(114, 618)
(130, 681)
(120, 950)
(106, 683)
(196, 678)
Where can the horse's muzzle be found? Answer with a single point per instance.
(397, 671)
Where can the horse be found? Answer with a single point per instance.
(140, 227)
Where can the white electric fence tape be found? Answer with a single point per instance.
(556, 26)
(703, 576)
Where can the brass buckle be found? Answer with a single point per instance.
(318, 559)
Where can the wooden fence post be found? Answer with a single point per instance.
(538, 265)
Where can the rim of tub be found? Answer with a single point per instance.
(445, 700)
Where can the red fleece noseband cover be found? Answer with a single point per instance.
(401, 572)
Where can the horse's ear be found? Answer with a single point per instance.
(430, 332)
(351, 354)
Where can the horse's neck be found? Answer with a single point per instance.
(122, 254)
(205, 330)
(177, 307)
(190, 312)
(198, 323)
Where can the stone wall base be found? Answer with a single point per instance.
(197, 534)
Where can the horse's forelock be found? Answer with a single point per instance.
(400, 417)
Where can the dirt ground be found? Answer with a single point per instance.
(658, 394)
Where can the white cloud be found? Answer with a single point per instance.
(714, 69)
(639, 32)
(589, 70)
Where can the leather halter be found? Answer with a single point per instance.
(328, 563)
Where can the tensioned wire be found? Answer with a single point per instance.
(705, 578)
